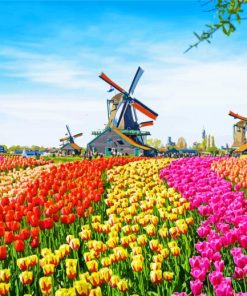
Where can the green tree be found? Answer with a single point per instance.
(204, 144)
(228, 13)
(155, 143)
(213, 142)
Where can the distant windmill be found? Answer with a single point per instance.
(68, 142)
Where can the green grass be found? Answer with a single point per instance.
(62, 159)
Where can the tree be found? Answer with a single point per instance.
(155, 143)
(213, 142)
(181, 143)
(228, 13)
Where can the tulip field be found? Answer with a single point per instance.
(123, 226)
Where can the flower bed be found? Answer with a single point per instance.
(220, 265)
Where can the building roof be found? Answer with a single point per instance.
(242, 148)
(72, 145)
(129, 140)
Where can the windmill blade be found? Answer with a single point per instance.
(146, 123)
(64, 139)
(78, 135)
(236, 115)
(144, 109)
(67, 127)
(109, 81)
(137, 77)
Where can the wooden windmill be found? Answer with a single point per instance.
(68, 143)
(123, 132)
(239, 130)
(122, 115)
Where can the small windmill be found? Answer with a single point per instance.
(122, 112)
(68, 142)
(239, 130)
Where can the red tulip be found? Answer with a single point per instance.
(3, 252)
(19, 246)
(8, 237)
(34, 242)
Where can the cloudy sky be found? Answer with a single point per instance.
(51, 53)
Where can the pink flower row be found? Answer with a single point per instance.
(225, 223)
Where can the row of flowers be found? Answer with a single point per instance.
(232, 169)
(221, 258)
(137, 243)
(51, 201)
(8, 163)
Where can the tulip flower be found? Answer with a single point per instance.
(45, 284)
(114, 281)
(137, 265)
(92, 266)
(48, 269)
(122, 285)
(26, 277)
(82, 288)
(96, 292)
(74, 243)
(3, 252)
(156, 276)
(5, 275)
(168, 276)
(4, 288)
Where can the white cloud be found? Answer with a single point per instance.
(188, 91)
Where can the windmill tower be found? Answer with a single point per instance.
(126, 134)
(239, 130)
(68, 143)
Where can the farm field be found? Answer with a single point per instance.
(123, 226)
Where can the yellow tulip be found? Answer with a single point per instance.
(4, 288)
(114, 281)
(142, 239)
(106, 262)
(105, 274)
(82, 287)
(156, 276)
(155, 266)
(122, 285)
(92, 266)
(26, 277)
(137, 265)
(74, 243)
(95, 279)
(96, 292)
(45, 284)
(5, 275)
(168, 276)
(48, 269)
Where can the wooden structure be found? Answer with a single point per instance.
(123, 134)
(68, 143)
(239, 130)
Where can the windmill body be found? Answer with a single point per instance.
(123, 132)
(239, 132)
(68, 146)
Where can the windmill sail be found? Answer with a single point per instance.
(112, 83)
(144, 109)
(78, 135)
(136, 79)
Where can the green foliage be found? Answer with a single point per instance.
(228, 12)
(155, 143)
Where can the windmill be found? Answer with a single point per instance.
(239, 130)
(122, 108)
(68, 142)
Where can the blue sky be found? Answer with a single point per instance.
(51, 54)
